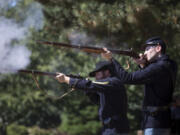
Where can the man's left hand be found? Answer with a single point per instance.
(62, 78)
(107, 54)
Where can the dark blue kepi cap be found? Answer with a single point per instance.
(153, 41)
(102, 65)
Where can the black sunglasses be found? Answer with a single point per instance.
(149, 47)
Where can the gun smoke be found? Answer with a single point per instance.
(82, 38)
(14, 54)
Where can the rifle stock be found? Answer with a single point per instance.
(91, 49)
(51, 74)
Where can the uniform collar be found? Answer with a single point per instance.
(161, 58)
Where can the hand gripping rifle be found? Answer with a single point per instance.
(51, 74)
(91, 49)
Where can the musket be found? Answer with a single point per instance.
(51, 74)
(91, 49)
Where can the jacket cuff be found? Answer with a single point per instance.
(73, 82)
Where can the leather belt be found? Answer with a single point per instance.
(153, 110)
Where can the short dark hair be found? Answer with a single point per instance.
(153, 41)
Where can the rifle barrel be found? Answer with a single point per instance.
(52, 74)
(91, 49)
(38, 72)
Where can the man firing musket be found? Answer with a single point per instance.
(109, 93)
(159, 79)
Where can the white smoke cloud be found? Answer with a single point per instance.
(12, 57)
(6, 4)
(15, 56)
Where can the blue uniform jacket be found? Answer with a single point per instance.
(159, 80)
(113, 99)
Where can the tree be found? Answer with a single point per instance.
(114, 24)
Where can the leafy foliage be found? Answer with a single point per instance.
(114, 24)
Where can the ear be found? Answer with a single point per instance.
(158, 48)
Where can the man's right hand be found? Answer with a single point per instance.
(141, 61)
